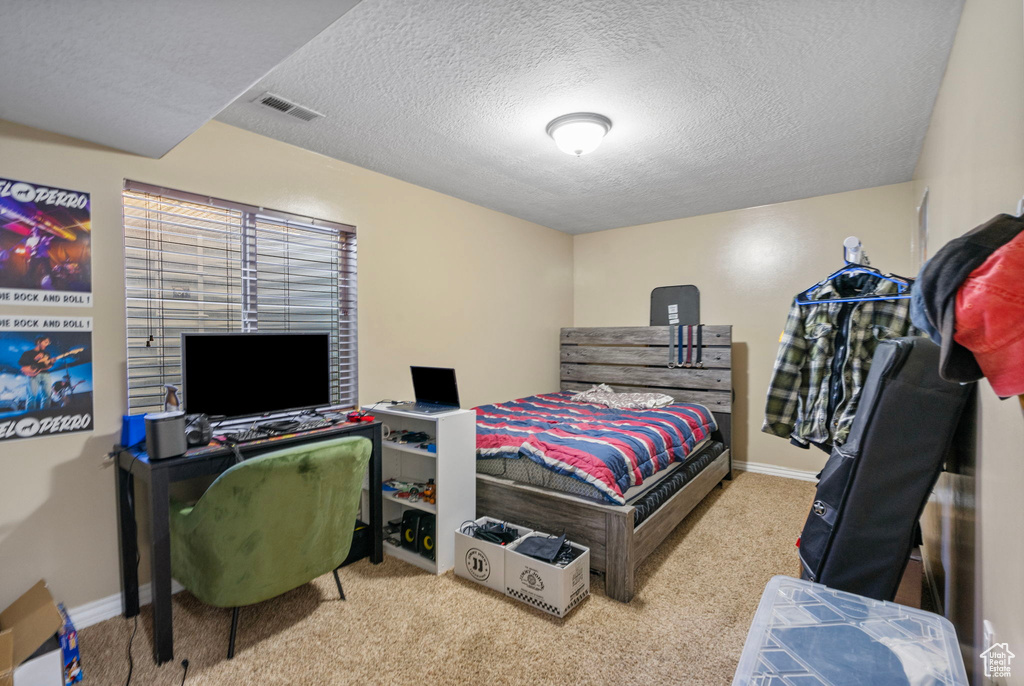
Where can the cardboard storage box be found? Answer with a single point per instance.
(553, 589)
(30, 653)
(481, 561)
(6, 658)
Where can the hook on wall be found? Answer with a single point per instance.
(853, 251)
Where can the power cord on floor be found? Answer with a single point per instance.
(131, 664)
(184, 663)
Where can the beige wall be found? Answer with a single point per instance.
(748, 264)
(441, 282)
(973, 165)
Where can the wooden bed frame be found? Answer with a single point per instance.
(629, 359)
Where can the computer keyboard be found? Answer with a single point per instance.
(311, 424)
(250, 434)
(268, 429)
(424, 407)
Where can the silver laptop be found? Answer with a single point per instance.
(436, 391)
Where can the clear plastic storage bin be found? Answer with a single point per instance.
(806, 634)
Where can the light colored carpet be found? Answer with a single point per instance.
(696, 596)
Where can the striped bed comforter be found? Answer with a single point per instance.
(609, 449)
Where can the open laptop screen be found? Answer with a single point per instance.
(435, 385)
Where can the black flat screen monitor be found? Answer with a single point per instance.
(246, 374)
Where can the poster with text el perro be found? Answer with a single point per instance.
(45, 376)
(45, 254)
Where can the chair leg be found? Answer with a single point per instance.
(338, 581)
(234, 631)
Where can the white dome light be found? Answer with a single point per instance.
(579, 133)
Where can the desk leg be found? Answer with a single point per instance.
(128, 541)
(160, 563)
(377, 497)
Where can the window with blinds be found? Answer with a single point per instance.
(199, 264)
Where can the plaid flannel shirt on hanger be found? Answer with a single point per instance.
(798, 395)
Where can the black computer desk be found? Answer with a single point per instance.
(205, 461)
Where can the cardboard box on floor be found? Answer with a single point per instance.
(548, 587)
(481, 561)
(28, 623)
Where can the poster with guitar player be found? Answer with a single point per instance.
(45, 254)
(45, 376)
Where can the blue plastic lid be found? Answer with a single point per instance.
(806, 634)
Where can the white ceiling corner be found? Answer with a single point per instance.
(716, 105)
(142, 76)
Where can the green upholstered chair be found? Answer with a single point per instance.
(270, 524)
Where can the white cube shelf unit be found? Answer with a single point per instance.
(452, 467)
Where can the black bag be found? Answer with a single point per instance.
(873, 489)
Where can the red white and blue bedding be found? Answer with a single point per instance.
(610, 449)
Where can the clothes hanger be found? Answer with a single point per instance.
(850, 268)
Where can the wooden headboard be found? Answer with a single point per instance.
(635, 359)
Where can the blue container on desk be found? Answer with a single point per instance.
(133, 429)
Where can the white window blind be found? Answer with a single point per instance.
(198, 264)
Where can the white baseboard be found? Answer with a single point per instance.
(105, 608)
(773, 470)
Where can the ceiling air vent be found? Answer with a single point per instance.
(288, 107)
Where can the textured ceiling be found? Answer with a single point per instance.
(716, 105)
(141, 75)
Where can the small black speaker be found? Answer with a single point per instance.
(411, 529)
(426, 541)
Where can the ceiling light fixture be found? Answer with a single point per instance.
(579, 133)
